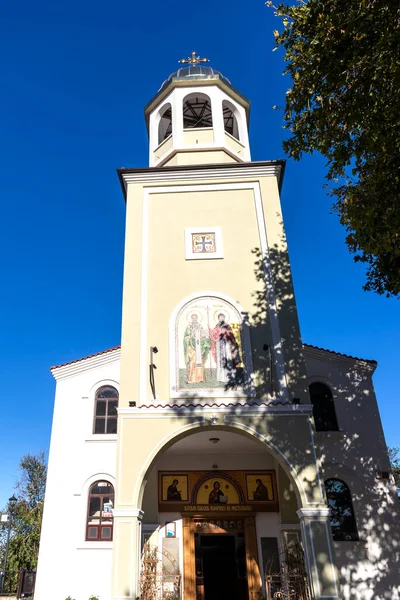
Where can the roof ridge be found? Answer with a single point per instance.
(340, 353)
(72, 362)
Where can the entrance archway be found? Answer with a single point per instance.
(222, 485)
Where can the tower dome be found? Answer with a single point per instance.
(197, 117)
(195, 72)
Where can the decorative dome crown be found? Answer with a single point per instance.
(197, 117)
(195, 72)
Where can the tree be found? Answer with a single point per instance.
(344, 60)
(395, 464)
(28, 512)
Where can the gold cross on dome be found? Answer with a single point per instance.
(193, 60)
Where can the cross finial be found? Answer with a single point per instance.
(193, 60)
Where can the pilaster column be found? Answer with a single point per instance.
(319, 553)
(126, 552)
(218, 118)
(177, 117)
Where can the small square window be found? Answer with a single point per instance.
(94, 507)
(112, 407)
(100, 426)
(101, 408)
(106, 533)
(112, 425)
(92, 533)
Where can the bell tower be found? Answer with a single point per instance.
(197, 117)
(210, 334)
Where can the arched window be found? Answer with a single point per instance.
(197, 111)
(323, 407)
(105, 414)
(342, 519)
(165, 124)
(230, 120)
(99, 525)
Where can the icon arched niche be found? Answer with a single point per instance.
(180, 444)
(231, 119)
(165, 123)
(210, 349)
(197, 113)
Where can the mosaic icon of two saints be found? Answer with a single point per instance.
(210, 345)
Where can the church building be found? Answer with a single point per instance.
(214, 455)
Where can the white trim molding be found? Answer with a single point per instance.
(85, 364)
(95, 546)
(170, 174)
(312, 513)
(128, 512)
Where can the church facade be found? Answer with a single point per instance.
(214, 454)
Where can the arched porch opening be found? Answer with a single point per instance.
(211, 491)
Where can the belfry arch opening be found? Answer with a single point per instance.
(231, 124)
(165, 123)
(197, 113)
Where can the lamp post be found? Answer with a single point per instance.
(11, 504)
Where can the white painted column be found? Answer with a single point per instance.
(319, 554)
(217, 116)
(126, 553)
(177, 97)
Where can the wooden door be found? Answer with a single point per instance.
(189, 559)
(253, 570)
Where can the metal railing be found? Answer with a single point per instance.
(20, 584)
(291, 582)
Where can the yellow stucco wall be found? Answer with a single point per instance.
(158, 215)
(235, 214)
(196, 157)
(163, 148)
(171, 277)
(205, 135)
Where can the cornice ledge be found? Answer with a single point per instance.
(332, 356)
(196, 411)
(85, 364)
(199, 172)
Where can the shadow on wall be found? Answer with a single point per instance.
(369, 567)
(357, 456)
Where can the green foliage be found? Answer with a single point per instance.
(395, 464)
(27, 515)
(344, 60)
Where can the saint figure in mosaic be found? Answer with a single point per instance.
(209, 352)
(196, 344)
(225, 350)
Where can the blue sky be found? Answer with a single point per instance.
(75, 78)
